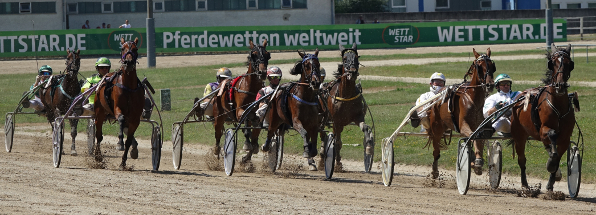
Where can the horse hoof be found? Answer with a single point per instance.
(120, 147)
(247, 147)
(305, 154)
(478, 170)
(434, 175)
(312, 167)
(134, 153)
(255, 149)
(558, 175)
(73, 153)
(551, 165)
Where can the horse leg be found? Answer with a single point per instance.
(337, 146)
(122, 122)
(73, 134)
(248, 147)
(520, 147)
(254, 139)
(553, 161)
(368, 144)
(436, 151)
(218, 125)
(312, 138)
(321, 164)
(478, 151)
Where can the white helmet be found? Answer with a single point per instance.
(323, 74)
(439, 76)
(274, 71)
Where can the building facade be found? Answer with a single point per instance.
(17, 15)
(467, 5)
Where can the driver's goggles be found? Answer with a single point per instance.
(275, 77)
(46, 73)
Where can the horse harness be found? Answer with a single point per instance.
(109, 85)
(478, 68)
(536, 102)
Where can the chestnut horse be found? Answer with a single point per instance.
(244, 91)
(122, 96)
(344, 102)
(461, 109)
(63, 89)
(296, 104)
(546, 115)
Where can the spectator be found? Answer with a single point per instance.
(98, 27)
(103, 25)
(376, 21)
(125, 25)
(86, 25)
(360, 20)
(109, 26)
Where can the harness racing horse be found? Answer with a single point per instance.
(296, 104)
(461, 109)
(61, 92)
(233, 98)
(344, 102)
(547, 115)
(121, 95)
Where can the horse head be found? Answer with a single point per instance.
(350, 62)
(560, 66)
(73, 62)
(129, 52)
(310, 69)
(484, 69)
(258, 59)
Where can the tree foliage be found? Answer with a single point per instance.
(360, 6)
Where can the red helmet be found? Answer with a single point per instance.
(274, 71)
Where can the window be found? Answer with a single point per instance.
(591, 5)
(25, 7)
(89, 7)
(252, 4)
(228, 4)
(71, 8)
(298, 3)
(485, 5)
(43, 7)
(269, 4)
(130, 6)
(158, 6)
(574, 6)
(555, 6)
(107, 7)
(201, 4)
(286, 3)
(180, 5)
(9, 8)
(442, 4)
(398, 3)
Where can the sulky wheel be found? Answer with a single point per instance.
(387, 161)
(368, 158)
(275, 154)
(9, 131)
(462, 167)
(177, 142)
(229, 151)
(329, 155)
(574, 169)
(57, 139)
(156, 147)
(91, 136)
(495, 162)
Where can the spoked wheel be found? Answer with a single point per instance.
(495, 161)
(156, 147)
(58, 139)
(276, 152)
(387, 161)
(329, 156)
(574, 170)
(177, 140)
(368, 158)
(91, 136)
(462, 167)
(230, 151)
(9, 131)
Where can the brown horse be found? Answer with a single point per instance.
(244, 91)
(124, 101)
(296, 104)
(63, 89)
(344, 102)
(461, 110)
(546, 115)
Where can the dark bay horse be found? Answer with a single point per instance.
(296, 104)
(63, 89)
(122, 96)
(344, 102)
(236, 96)
(546, 115)
(461, 109)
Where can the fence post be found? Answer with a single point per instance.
(164, 95)
(581, 28)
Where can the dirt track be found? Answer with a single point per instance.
(30, 185)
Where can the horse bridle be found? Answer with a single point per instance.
(260, 59)
(559, 55)
(133, 54)
(314, 70)
(481, 73)
(349, 62)
(73, 65)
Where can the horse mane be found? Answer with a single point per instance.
(297, 69)
(547, 77)
(337, 74)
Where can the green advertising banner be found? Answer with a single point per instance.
(212, 39)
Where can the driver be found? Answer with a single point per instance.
(274, 76)
(222, 74)
(503, 97)
(102, 66)
(43, 74)
(437, 84)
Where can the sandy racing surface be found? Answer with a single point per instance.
(31, 185)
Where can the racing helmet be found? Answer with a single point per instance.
(274, 71)
(45, 68)
(103, 61)
(503, 77)
(439, 76)
(224, 72)
(323, 74)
